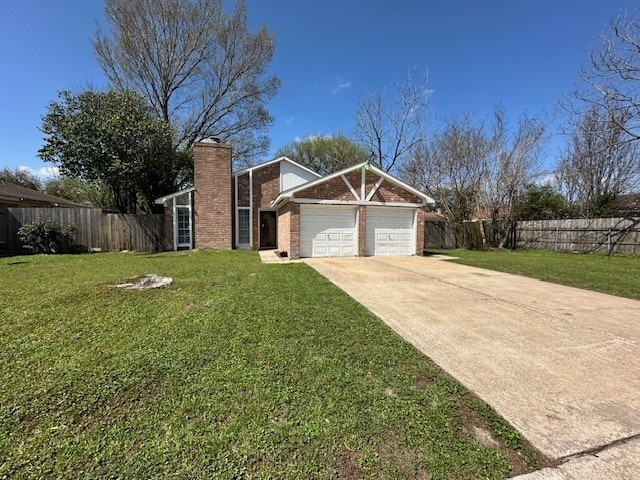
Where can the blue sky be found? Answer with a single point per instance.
(329, 53)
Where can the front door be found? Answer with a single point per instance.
(268, 222)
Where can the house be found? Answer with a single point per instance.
(279, 204)
(12, 195)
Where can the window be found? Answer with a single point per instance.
(243, 226)
(184, 226)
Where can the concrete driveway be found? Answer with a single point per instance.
(561, 364)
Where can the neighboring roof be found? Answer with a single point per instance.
(275, 160)
(21, 196)
(288, 194)
(161, 200)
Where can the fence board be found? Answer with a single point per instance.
(605, 235)
(96, 230)
(132, 232)
(439, 235)
(445, 235)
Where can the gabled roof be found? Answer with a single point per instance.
(19, 196)
(289, 194)
(275, 160)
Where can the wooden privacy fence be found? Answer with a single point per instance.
(439, 235)
(97, 231)
(445, 234)
(608, 235)
(132, 232)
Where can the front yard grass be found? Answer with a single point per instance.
(616, 274)
(237, 370)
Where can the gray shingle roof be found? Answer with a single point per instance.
(15, 195)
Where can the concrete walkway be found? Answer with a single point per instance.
(561, 364)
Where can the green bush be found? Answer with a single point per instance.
(47, 236)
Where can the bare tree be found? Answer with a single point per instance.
(612, 78)
(392, 132)
(202, 71)
(513, 163)
(600, 161)
(451, 169)
(477, 170)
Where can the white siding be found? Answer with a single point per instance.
(291, 176)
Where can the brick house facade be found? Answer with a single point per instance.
(282, 205)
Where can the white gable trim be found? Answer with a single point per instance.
(353, 191)
(276, 160)
(375, 188)
(320, 201)
(364, 166)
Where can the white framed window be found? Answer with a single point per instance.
(183, 217)
(243, 227)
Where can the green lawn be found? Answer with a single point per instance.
(236, 370)
(615, 274)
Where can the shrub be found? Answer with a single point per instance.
(47, 236)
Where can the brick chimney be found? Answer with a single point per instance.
(212, 201)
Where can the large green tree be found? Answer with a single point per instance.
(203, 71)
(325, 154)
(114, 139)
(541, 202)
(92, 194)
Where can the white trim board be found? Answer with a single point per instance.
(307, 201)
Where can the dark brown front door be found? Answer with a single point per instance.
(268, 230)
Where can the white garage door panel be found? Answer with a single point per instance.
(327, 231)
(389, 231)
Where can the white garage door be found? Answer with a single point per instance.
(389, 231)
(327, 231)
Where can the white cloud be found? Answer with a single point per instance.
(341, 86)
(548, 179)
(290, 120)
(43, 173)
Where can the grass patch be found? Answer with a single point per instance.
(236, 370)
(615, 274)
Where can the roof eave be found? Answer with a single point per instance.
(275, 160)
(161, 200)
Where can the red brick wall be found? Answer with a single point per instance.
(294, 226)
(284, 228)
(390, 192)
(266, 187)
(334, 189)
(420, 232)
(362, 230)
(354, 180)
(289, 230)
(370, 180)
(213, 195)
